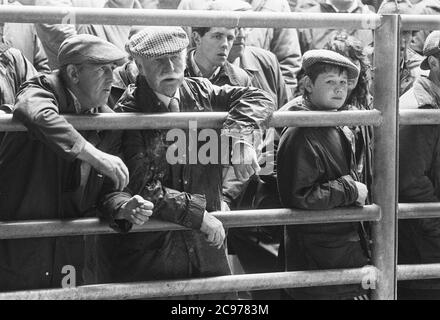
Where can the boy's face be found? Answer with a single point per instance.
(329, 90)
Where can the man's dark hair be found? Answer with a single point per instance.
(201, 30)
(318, 68)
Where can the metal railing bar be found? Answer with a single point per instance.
(419, 210)
(418, 271)
(230, 219)
(231, 283)
(420, 22)
(119, 121)
(419, 116)
(160, 17)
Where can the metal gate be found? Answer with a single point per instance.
(385, 118)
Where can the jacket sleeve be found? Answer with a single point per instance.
(300, 177)
(418, 158)
(38, 110)
(146, 179)
(41, 62)
(250, 109)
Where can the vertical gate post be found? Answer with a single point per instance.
(386, 88)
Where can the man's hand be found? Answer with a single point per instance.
(107, 164)
(244, 161)
(362, 193)
(137, 210)
(213, 229)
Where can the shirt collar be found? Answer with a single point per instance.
(196, 68)
(165, 99)
(353, 7)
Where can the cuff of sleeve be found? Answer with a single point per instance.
(7, 108)
(119, 225)
(350, 187)
(79, 146)
(195, 211)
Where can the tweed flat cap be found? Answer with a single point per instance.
(431, 47)
(155, 42)
(312, 57)
(85, 48)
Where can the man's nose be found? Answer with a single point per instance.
(168, 64)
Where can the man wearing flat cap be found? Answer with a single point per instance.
(183, 191)
(52, 171)
(419, 176)
(317, 170)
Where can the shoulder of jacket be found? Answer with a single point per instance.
(408, 100)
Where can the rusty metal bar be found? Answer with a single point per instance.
(420, 22)
(201, 286)
(110, 16)
(386, 156)
(419, 117)
(419, 210)
(119, 121)
(418, 271)
(230, 219)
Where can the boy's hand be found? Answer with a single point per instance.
(213, 229)
(245, 162)
(137, 210)
(362, 193)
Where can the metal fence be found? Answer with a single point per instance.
(385, 118)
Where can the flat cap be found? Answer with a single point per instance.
(156, 42)
(312, 57)
(431, 47)
(85, 48)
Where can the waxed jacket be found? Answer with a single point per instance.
(419, 181)
(181, 192)
(317, 171)
(40, 179)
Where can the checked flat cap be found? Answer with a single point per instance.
(156, 42)
(312, 57)
(430, 48)
(85, 48)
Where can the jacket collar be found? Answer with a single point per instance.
(426, 93)
(247, 62)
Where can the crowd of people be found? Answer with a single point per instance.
(126, 177)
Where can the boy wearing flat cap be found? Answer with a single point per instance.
(419, 176)
(317, 171)
(184, 192)
(55, 172)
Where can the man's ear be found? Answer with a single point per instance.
(72, 73)
(196, 38)
(308, 84)
(138, 65)
(433, 63)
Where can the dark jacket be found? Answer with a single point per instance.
(419, 181)
(181, 192)
(40, 180)
(15, 70)
(317, 171)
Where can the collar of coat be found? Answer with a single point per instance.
(427, 94)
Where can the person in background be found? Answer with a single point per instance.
(283, 42)
(419, 176)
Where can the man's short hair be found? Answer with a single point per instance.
(201, 30)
